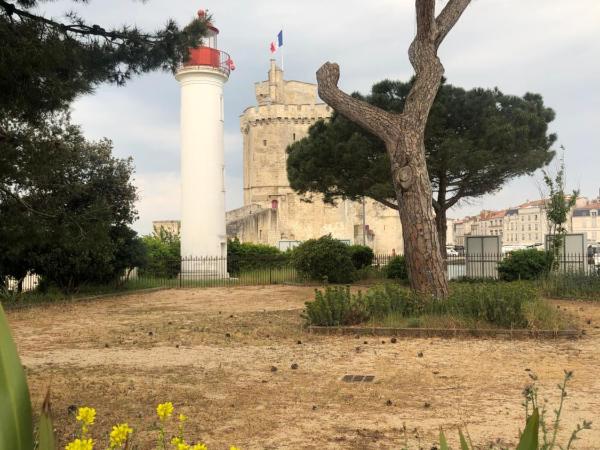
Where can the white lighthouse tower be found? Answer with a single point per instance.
(203, 234)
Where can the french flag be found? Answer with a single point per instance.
(278, 43)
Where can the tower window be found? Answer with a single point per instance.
(294, 136)
(265, 142)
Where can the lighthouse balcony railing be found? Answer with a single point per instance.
(209, 57)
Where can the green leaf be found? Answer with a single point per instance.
(443, 442)
(529, 438)
(463, 441)
(16, 429)
(46, 430)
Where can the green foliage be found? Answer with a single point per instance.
(529, 264)
(361, 256)
(66, 205)
(45, 64)
(381, 301)
(16, 429)
(506, 305)
(576, 285)
(248, 256)
(500, 304)
(475, 142)
(396, 269)
(335, 306)
(557, 210)
(163, 255)
(324, 259)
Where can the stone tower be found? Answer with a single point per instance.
(285, 111)
(273, 213)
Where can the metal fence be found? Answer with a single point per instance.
(278, 269)
(216, 271)
(485, 265)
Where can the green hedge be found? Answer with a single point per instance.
(361, 256)
(249, 256)
(529, 264)
(396, 269)
(324, 259)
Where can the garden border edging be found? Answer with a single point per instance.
(444, 332)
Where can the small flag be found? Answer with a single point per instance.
(278, 43)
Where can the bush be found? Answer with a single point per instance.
(249, 256)
(500, 304)
(324, 259)
(396, 269)
(361, 256)
(529, 264)
(507, 305)
(380, 301)
(163, 255)
(334, 307)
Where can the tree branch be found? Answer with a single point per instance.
(448, 18)
(23, 203)
(373, 119)
(387, 203)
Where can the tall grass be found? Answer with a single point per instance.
(515, 305)
(572, 285)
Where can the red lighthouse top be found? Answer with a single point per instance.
(208, 53)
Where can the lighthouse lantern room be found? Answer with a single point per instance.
(203, 234)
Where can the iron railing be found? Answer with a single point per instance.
(278, 269)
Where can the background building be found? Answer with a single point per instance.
(273, 213)
(527, 224)
(585, 220)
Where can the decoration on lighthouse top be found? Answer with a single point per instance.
(208, 53)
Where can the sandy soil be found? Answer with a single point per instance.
(211, 352)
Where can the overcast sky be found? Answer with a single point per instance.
(551, 47)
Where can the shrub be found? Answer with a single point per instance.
(380, 301)
(249, 256)
(396, 268)
(334, 307)
(500, 304)
(324, 259)
(507, 305)
(361, 256)
(163, 255)
(528, 264)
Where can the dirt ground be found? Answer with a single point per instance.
(211, 352)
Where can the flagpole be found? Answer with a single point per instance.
(282, 69)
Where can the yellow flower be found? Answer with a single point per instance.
(119, 435)
(176, 441)
(182, 417)
(199, 447)
(86, 415)
(164, 410)
(182, 446)
(80, 444)
(233, 448)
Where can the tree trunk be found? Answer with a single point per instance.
(426, 270)
(404, 135)
(442, 229)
